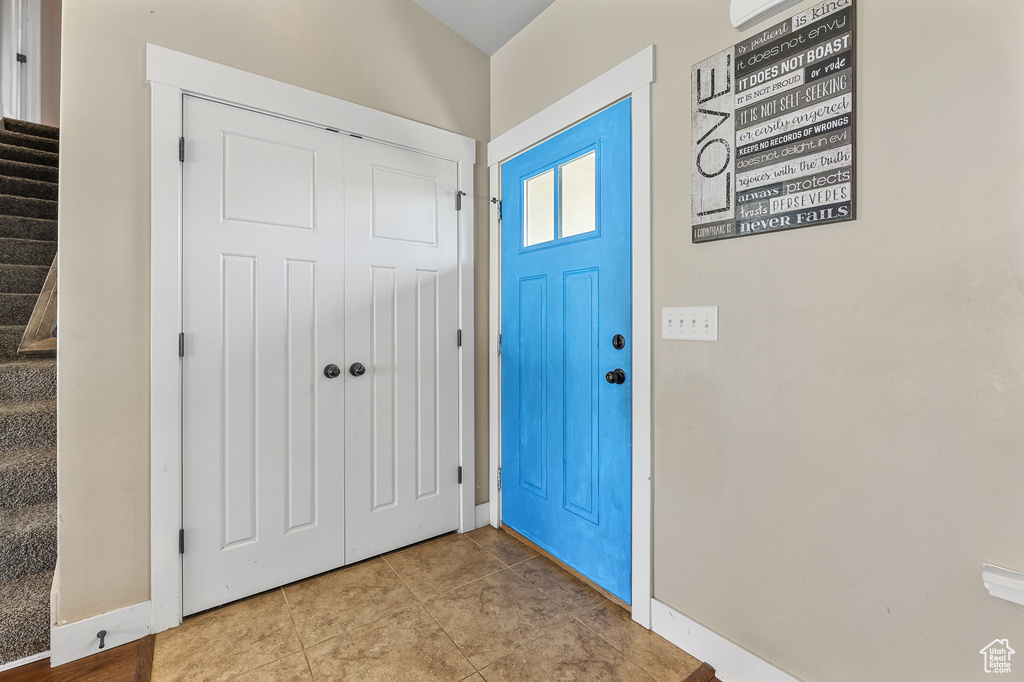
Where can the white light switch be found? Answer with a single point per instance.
(690, 324)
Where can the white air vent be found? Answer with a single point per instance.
(746, 12)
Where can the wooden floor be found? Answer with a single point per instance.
(128, 663)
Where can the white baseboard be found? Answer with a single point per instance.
(732, 663)
(483, 514)
(24, 661)
(73, 641)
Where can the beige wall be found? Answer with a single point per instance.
(387, 54)
(49, 22)
(831, 475)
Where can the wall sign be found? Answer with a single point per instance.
(773, 127)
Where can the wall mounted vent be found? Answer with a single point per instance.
(746, 12)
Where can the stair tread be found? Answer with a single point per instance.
(16, 153)
(31, 171)
(18, 278)
(28, 188)
(28, 407)
(38, 129)
(28, 228)
(28, 207)
(17, 139)
(25, 627)
(20, 522)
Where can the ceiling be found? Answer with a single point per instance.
(488, 24)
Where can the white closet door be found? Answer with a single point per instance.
(263, 289)
(401, 325)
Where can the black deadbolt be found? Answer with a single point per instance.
(618, 342)
(332, 371)
(357, 369)
(616, 376)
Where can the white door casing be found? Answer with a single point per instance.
(171, 75)
(632, 78)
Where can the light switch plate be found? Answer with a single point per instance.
(698, 323)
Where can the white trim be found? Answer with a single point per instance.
(732, 663)
(632, 78)
(24, 661)
(494, 361)
(483, 514)
(744, 13)
(172, 74)
(1003, 583)
(621, 81)
(77, 640)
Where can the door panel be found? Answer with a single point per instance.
(566, 280)
(401, 302)
(263, 445)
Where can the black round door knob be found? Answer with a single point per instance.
(616, 376)
(332, 371)
(618, 342)
(357, 369)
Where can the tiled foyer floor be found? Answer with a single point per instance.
(480, 606)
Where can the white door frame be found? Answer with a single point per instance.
(632, 78)
(171, 75)
(21, 85)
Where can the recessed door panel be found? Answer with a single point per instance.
(301, 417)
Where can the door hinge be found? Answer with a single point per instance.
(460, 475)
(458, 199)
(499, 344)
(181, 541)
(22, 59)
(181, 149)
(181, 344)
(459, 338)
(497, 202)
(499, 478)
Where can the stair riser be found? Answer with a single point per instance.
(17, 227)
(28, 171)
(14, 153)
(16, 309)
(33, 189)
(22, 279)
(32, 552)
(32, 430)
(23, 484)
(26, 252)
(28, 208)
(29, 128)
(34, 381)
(25, 626)
(44, 144)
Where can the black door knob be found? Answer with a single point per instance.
(357, 369)
(332, 371)
(616, 376)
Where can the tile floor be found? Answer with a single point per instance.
(480, 606)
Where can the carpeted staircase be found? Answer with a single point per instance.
(28, 391)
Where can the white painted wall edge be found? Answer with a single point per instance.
(24, 661)
(1004, 583)
(72, 641)
(483, 514)
(619, 82)
(732, 663)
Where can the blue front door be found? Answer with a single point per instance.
(566, 347)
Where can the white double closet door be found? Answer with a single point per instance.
(305, 248)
